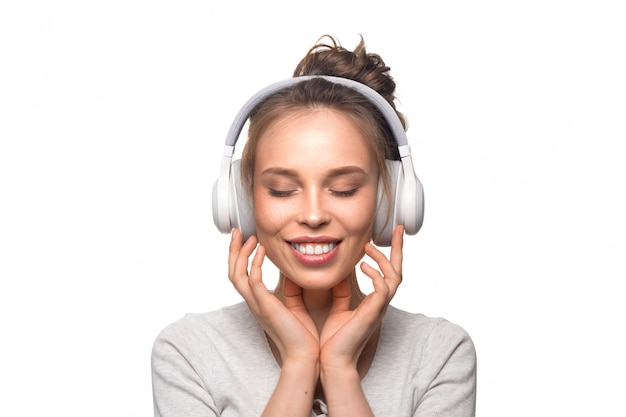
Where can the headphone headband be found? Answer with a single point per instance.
(372, 95)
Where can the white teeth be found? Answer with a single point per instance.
(314, 248)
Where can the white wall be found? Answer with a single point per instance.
(112, 120)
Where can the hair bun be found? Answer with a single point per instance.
(328, 57)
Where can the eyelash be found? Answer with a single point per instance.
(279, 193)
(347, 193)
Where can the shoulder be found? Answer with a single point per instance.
(197, 325)
(199, 361)
(425, 362)
(432, 339)
(440, 360)
(424, 327)
(206, 330)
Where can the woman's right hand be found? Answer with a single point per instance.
(287, 322)
(288, 325)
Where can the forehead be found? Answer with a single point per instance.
(314, 136)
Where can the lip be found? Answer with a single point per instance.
(314, 239)
(314, 260)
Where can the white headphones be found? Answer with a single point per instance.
(232, 207)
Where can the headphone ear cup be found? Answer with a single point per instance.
(403, 206)
(410, 203)
(221, 209)
(241, 209)
(232, 207)
(385, 220)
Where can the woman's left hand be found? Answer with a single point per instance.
(346, 332)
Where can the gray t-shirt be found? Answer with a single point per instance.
(220, 364)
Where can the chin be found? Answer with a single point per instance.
(318, 280)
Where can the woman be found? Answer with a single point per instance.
(318, 186)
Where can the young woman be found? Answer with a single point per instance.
(317, 178)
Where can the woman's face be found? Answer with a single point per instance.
(315, 187)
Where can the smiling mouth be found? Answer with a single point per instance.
(314, 248)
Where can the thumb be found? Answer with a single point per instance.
(341, 297)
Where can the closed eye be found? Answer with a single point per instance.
(280, 193)
(344, 193)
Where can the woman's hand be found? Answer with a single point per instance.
(346, 332)
(288, 325)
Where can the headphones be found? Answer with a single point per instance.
(232, 207)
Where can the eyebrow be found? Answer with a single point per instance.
(336, 172)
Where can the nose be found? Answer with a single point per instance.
(313, 212)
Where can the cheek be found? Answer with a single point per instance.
(269, 215)
(358, 217)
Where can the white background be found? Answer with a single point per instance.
(112, 120)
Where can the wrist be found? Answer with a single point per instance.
(300, 358)
(295, 390)
(343, 391)
(339, 374)
(301, 366)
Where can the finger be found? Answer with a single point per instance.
(242, 256)
(256, 275)
(397, 242)
(239, 272)
(372, 308)
(389, 272)
(259, 294)
(341, 296)
(381, 287)
(292, 294)
(236, 242)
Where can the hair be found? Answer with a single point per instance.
(330, 58)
